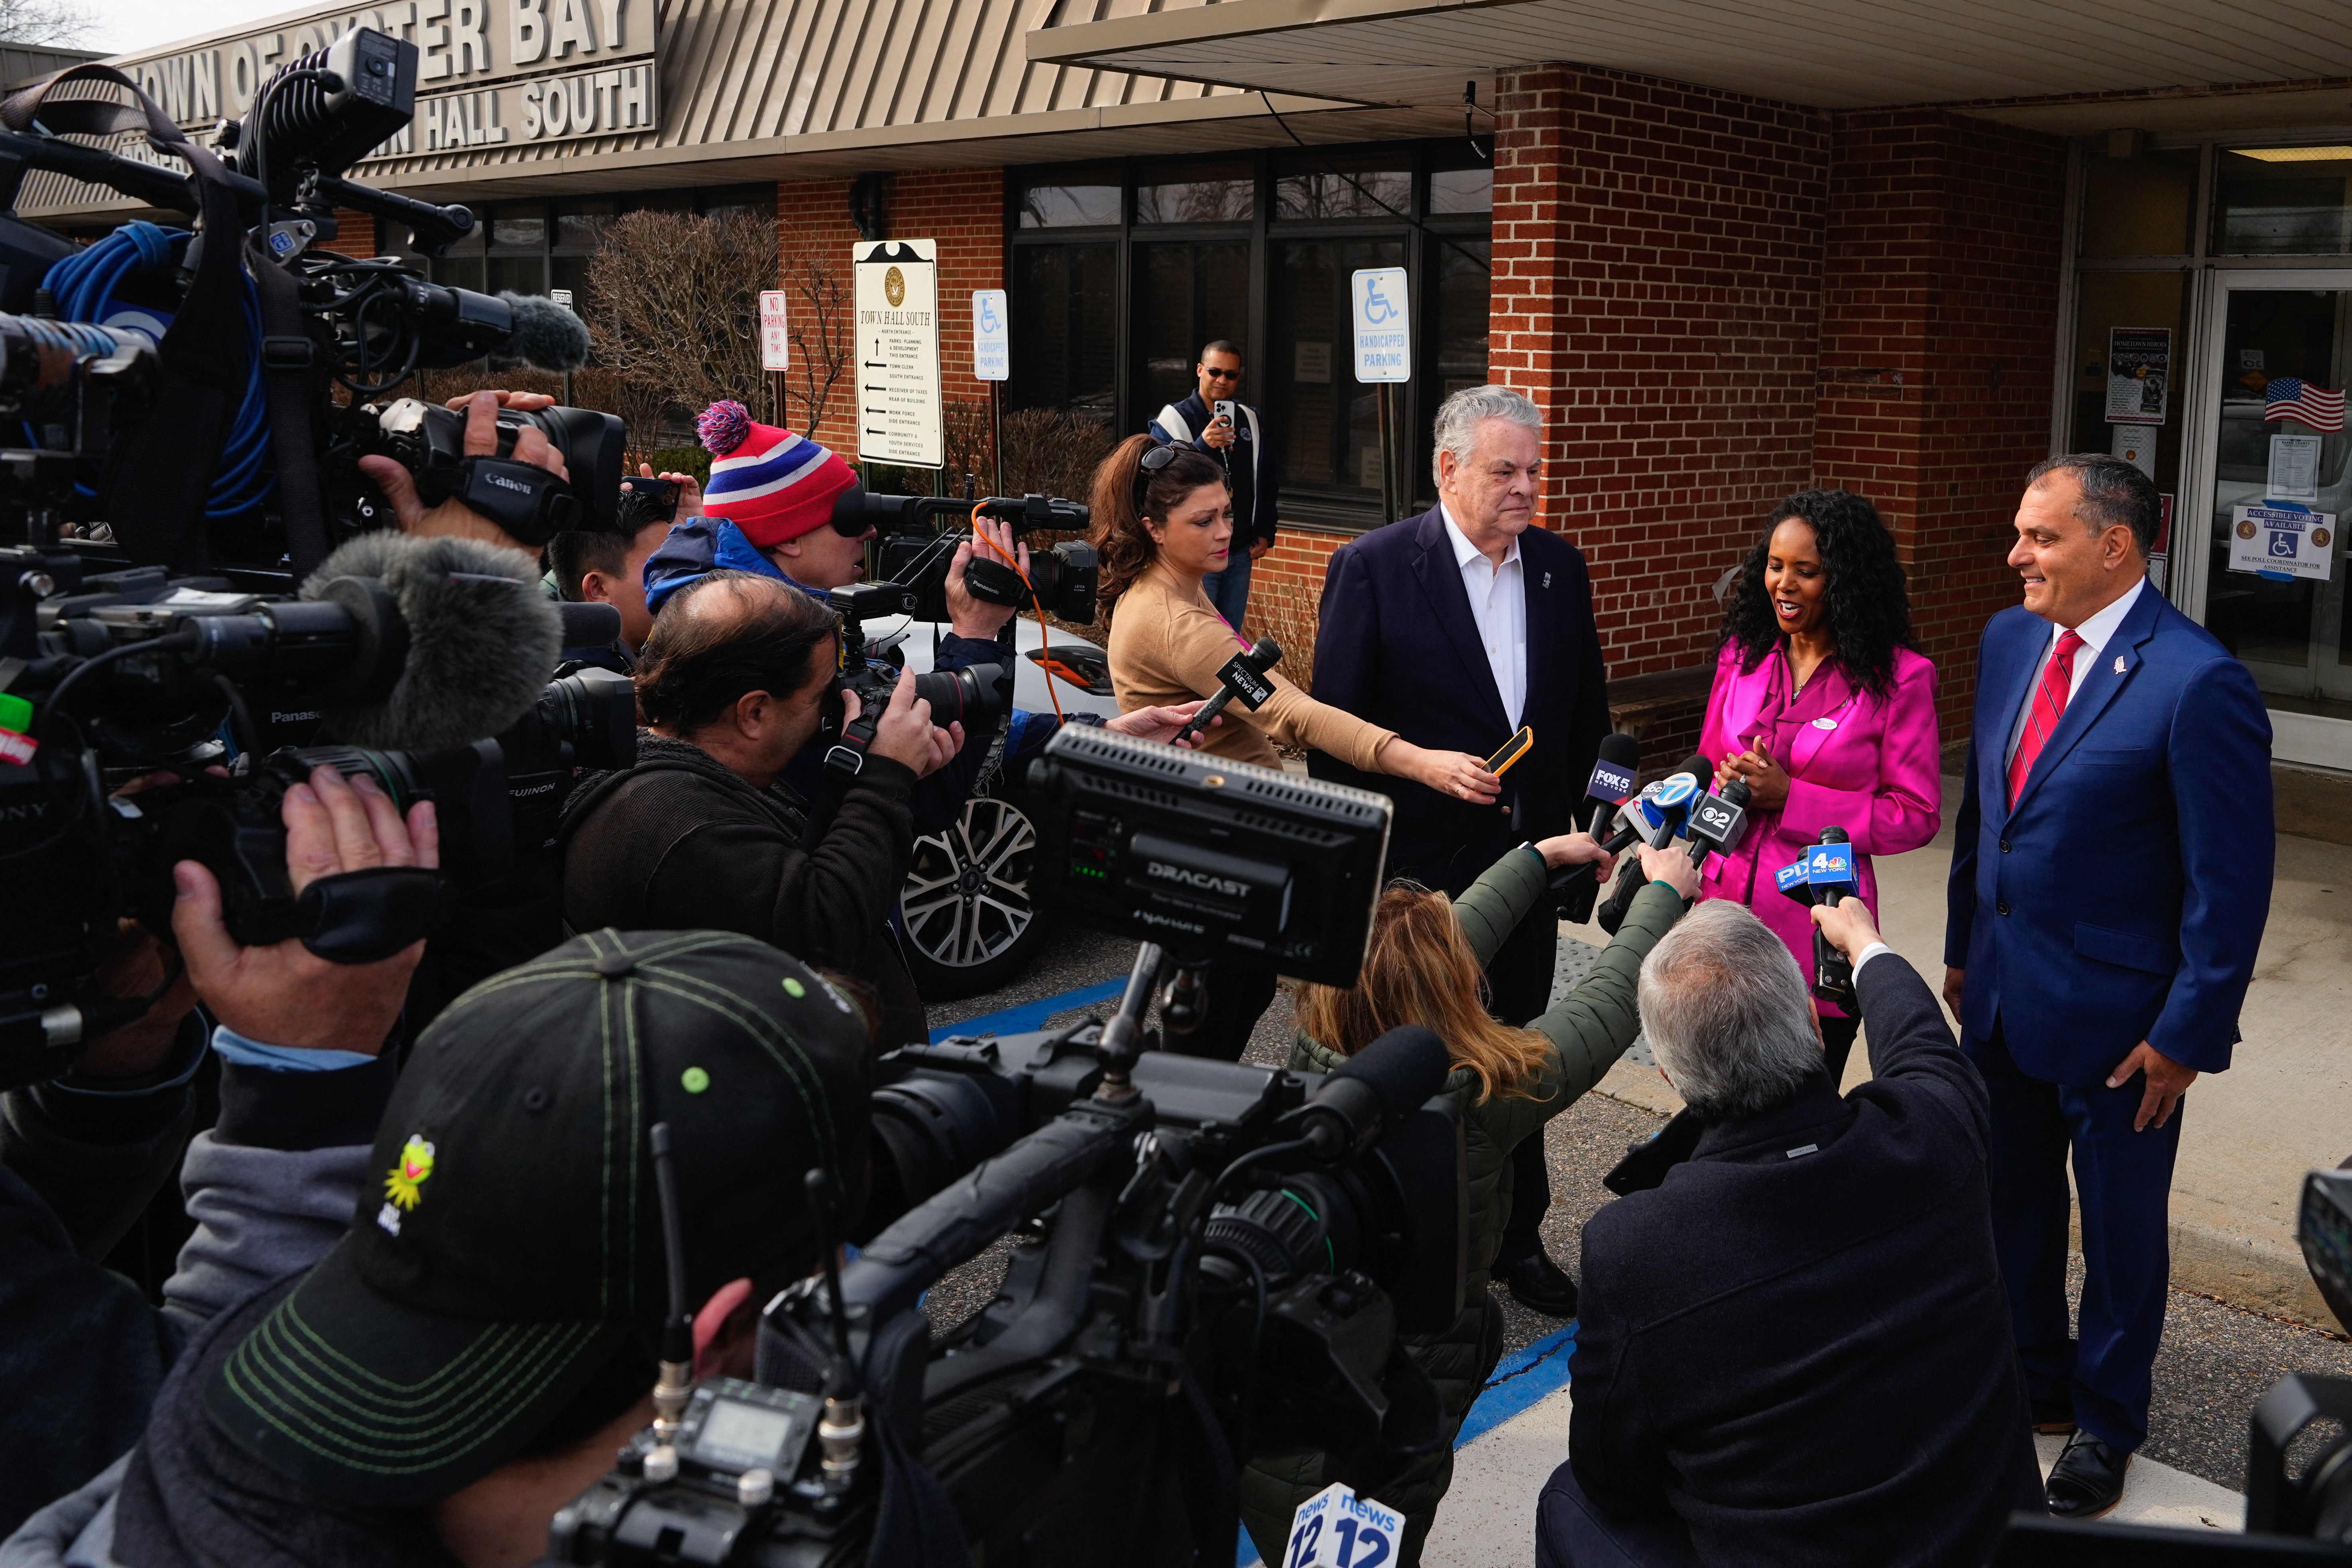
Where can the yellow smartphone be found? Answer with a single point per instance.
(1511, 750)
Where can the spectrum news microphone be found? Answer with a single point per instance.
(1243, 677)
(1574, 888)
(1651, 817)
(1824, 875)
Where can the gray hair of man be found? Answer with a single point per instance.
(1459, 417)
(1728, 1013)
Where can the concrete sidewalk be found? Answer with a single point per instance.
(2282, 1109)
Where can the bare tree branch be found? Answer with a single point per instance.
(822, 313)
(37, 22)
(674, 306)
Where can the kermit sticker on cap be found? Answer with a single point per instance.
(405, 1188)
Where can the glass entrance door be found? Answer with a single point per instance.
(2275, 485)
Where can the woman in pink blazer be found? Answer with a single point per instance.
(1823, 707)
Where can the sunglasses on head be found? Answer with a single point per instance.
(1154, 458)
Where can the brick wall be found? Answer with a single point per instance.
(962, 209)
(1657, 289)
(1939, 318)
(355, 234)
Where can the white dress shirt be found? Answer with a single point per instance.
(2097, 632)
(1498, 603)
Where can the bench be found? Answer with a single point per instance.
(1636, 700)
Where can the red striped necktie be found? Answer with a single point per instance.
(2049, 707)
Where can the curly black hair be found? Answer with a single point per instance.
(1870, 608)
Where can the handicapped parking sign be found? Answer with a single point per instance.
(1382, 313)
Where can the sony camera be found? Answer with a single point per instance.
(1229, 1257)
(917, 552)
(113, 765)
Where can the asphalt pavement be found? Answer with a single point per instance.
(2216, 1359)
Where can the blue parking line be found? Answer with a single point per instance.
(1031, 1015)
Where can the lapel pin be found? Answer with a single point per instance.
(2119, 664)
(1547, 581)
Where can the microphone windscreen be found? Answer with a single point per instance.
(547, 335)
(1405, 1067)
(1698, 765)
(482, 639)
(1622, 750)
(589, 625)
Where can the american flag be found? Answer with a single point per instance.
(2291, 397)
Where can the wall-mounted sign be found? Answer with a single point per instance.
(992, 335)
(2293, 471)
(775, 331)
(1376, 299)
(2282, 542)
(2136, 445)
(2139, 374)
(897, 293)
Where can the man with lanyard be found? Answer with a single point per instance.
(1239, 442)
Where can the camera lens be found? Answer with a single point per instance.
(928, 1129)
(969, 696)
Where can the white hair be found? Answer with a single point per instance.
(1728, 1012)
(1459, 417)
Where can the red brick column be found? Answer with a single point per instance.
(1939, 318)
(1657, 290)
(962, 209)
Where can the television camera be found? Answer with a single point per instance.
(1229, 1253)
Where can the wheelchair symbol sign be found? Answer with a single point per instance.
(1382, 312)
(992, 336)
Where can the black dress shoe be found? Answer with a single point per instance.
(1538, 1284)
(2053, 1417)
(2088, 1478)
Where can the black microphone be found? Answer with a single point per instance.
(1372, 1089)
(1574, 888)
(1651, 817)
(1243, 677)
(1718, 822)
(482, 640)
(547, 335)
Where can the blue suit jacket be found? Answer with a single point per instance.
(1396, 645)
(2122, 898)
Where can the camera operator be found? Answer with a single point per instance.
(270, 1184)
(1793, 1346)
(607, 566)
(701, 833)
(1425, 965)
(466, 1358)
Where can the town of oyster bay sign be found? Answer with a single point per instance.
(489, 72)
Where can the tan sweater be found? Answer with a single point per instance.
(1166, 646)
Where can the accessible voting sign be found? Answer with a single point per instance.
(2283, 542)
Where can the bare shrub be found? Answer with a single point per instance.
(674, 307)
(1285, 610)
(820, 316)
(1052, 452)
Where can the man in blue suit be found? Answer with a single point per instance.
(1454, 629)
(2111, 873)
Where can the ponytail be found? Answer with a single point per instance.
(1124, 494)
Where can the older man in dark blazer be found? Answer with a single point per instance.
(1794, 1347)
(1454, 629)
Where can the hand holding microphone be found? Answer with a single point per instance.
(1243, 676)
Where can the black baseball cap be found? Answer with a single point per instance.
(509, 1241)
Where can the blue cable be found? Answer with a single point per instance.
(84, 285)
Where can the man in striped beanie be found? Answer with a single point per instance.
(767, 509)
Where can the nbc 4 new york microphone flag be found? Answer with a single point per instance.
(2291, 397)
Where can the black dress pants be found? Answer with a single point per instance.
(1837, 1044)
(1238, 997)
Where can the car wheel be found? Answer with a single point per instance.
(970, 923)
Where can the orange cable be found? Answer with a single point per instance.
(1045, 638)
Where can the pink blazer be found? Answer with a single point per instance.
(1867, 765)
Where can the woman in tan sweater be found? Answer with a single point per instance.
(1163, 519)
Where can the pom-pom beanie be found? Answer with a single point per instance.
(771, 484)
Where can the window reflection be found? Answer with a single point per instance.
(2282, 201)
(1065, 297)
(1337, 187)
(1070, 202)
(1330, 420)
(1462, 191)
(1187, 295)
(1222, 193)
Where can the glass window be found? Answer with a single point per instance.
(580, 225)
(1066, 298)
(754, 201)
(1458, 323)
(1185, 295)
(2138, 207)
(522, 274)
(1459, 180)
(1080, 200)
(1218, 193)
(1329, 421)
(2109, 301)
(1369, 183)
(2282, 201)
(524, 231)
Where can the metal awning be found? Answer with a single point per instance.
(2010, 55)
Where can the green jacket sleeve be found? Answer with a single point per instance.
(1592, 1026)
(1491, 908)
